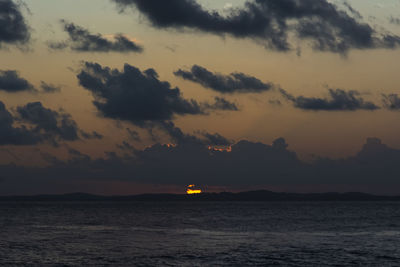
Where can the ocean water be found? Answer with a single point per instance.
(200, 233)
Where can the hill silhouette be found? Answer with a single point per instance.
(261, 195)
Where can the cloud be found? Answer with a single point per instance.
(50, 124)
(189, 161)
(11, 82)
(270, 22)
(38, 124)
(138, 96)
(354, 12)
(246, 164)
(93, 135)
(221, 104)
(338, 100)
(81, 40)
(391, 101)
(233, 83)
(133, 135)
(79, 156)
(216, 139)
(275, 102)
(374, 164)
(125, 146)
(254, 163)
(394, 20)
(177, 135)
(49, 88)
(11, 135)
(13, 27)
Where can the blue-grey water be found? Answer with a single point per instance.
(200, 233)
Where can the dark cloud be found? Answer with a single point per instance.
(93, 135)
(37, 125)
(391, 41)
(138, 96)
(270, 22)
(275, 102)
(354, 12)
(125, 146)
(338, 100)
(374, 164)
(49, 88)
(11, 82)
(133, 135)
(13, 27)
(221, 104)
(216, 139)
(50, 124)
(76, 154)
(177, 136)
(81, 40)
(233, 83)
(11, 135)
(394, 20)
(391, 101)
(246, 163)
(251, 163)
(9, 153)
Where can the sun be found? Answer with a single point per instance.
(191, 190)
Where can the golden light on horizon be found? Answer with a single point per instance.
(220, 148)
(192, 191)
(170, 145)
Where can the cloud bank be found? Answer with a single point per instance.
(244, 164)
(270, 22)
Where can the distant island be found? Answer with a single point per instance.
(261, 195)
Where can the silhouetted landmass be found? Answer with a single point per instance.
(261, 195)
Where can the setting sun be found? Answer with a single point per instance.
(192, 190)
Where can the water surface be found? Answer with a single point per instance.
(200, 233)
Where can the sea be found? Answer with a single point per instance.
(199, 233)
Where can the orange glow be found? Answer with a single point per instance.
(191, 191)
(170, 145)
(220, 148)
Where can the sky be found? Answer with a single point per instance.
(148, 96)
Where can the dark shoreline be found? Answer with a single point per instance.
(224, 196)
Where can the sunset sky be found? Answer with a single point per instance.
(148, 96)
